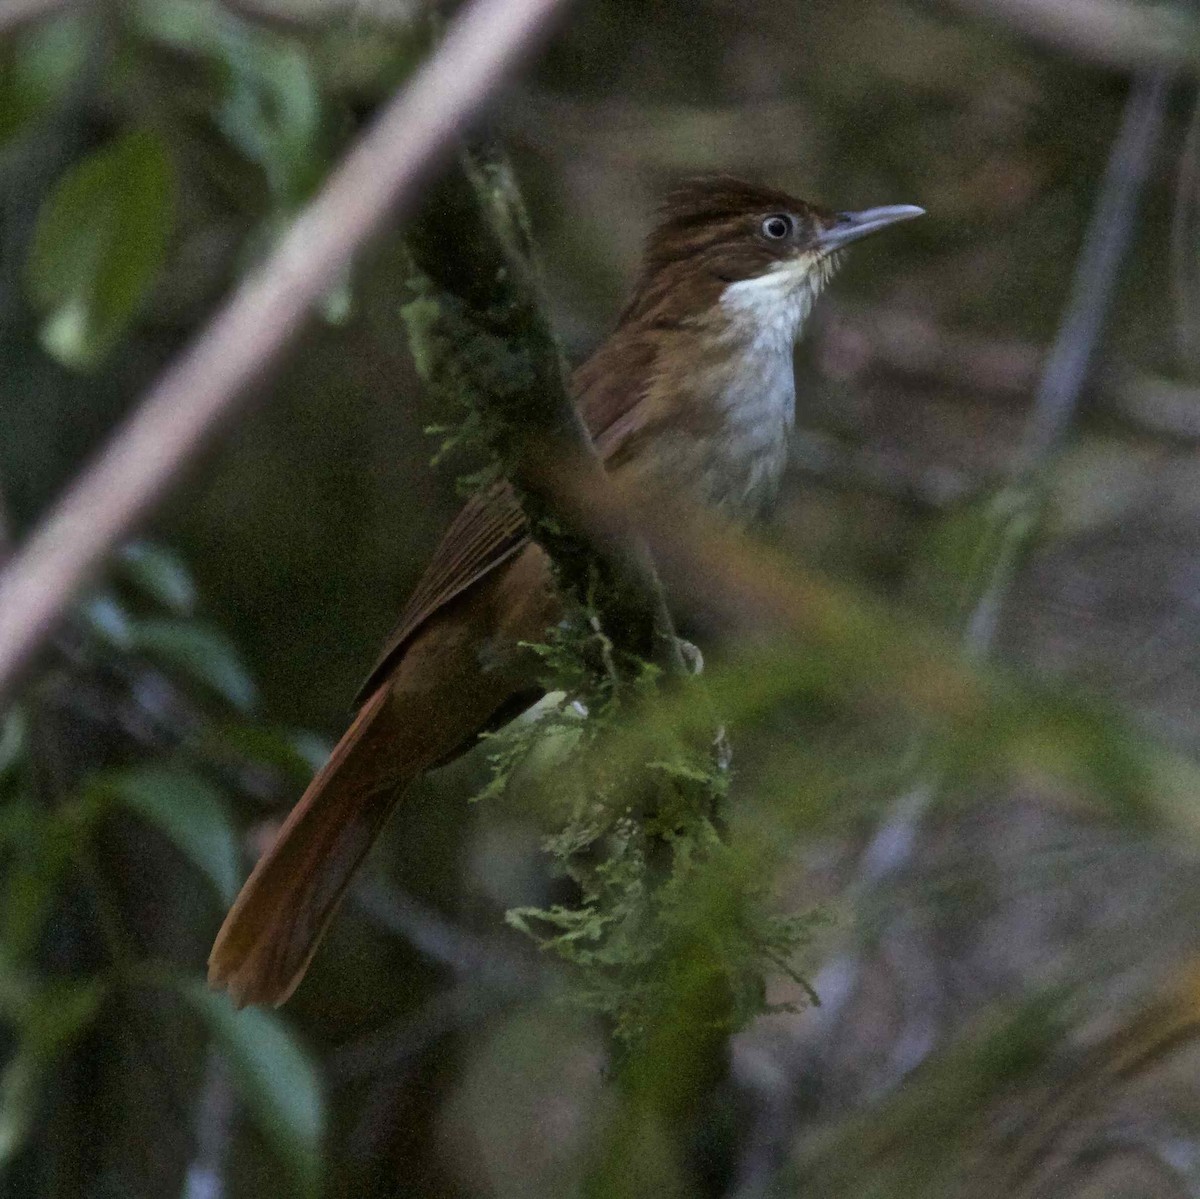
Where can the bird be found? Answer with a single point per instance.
(692, 391)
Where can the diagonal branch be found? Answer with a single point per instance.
(209, 380)
(1109, 235)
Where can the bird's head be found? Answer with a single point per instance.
(755, 254)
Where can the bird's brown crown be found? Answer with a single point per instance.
(714, 231)
(742, 228)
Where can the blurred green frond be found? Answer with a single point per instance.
(100, 243)
(189, 811)
(276, 1079)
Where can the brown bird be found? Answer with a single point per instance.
(693, 390)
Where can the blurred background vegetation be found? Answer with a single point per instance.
(1002, 913)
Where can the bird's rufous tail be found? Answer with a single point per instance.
(274, 927)
(430, 705)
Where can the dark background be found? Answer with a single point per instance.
(445, 1070)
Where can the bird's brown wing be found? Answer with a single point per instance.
(488, 531)
(491, 528)
(602, 385)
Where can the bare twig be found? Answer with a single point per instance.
(1185, 229)
(1118, 33)
(206, 382)
(1107, 240)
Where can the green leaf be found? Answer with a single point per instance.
(200, 652)
(313, 751)
(20, 1087)
(272, 114)
(160, 574)
(270, 106)
(298, 755)
(57, 1017)
(187, 810)
(36, 69)
(13, 734)
(106, 620)
(100, 242)
(41, 846)
(275, 1077)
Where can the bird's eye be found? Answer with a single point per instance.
(777, 227)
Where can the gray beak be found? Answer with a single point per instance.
(850, 226)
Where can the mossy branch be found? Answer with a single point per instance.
(480, 340)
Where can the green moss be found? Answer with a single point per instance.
(665, 901)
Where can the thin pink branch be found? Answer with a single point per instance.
(205, 385)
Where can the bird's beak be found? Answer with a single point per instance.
(850, 226)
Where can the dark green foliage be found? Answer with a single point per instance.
(277, 1080)
(197, 651)
(188, 811)
(167, 754)
(265, 99)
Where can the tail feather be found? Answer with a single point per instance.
(454, 678)
(273, 929)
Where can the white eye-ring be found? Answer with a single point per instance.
(777, 226)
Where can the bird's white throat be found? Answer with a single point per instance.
(765, 316)
(770, 309)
